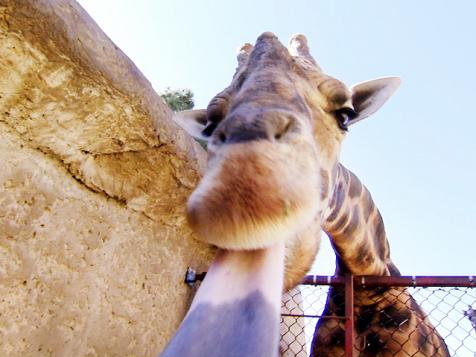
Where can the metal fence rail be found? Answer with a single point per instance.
(447, 304)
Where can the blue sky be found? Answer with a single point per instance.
(416, 155)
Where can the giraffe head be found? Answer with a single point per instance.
(272, 136)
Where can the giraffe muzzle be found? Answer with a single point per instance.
(255, 194)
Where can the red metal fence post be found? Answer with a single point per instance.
(349, 314)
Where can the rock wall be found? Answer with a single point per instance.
(93, 184)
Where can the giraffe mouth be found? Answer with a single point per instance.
(254, 195)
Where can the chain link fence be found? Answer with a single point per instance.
(407, 316)
(385, 316)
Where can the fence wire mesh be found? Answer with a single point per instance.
(396, 321)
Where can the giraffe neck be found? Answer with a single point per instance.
(388, 320)
(356, 229)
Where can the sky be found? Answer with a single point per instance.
(416, 154)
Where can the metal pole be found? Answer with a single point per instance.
(349, 314)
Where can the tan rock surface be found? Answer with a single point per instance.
(94, 179)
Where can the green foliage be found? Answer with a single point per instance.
(178, 99)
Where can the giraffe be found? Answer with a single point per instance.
(273, 140)
(389, 322)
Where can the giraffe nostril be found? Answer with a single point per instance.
(222, 137)
(283, 130)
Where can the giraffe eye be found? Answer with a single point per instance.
(344, 116)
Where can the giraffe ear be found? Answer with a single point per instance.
(193, 122)
(368, 97)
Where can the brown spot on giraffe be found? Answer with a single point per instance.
(355, 188)
(365, 318)
(280, 119)
(353, 223)
(336, 203)
(365, 256)
(392, 317)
